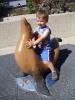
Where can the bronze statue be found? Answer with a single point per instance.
(27, 58)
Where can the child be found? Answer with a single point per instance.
(42, 41)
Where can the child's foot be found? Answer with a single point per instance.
(54, 75)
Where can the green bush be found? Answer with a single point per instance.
(71, 6)
(30, 6)
(57, 6)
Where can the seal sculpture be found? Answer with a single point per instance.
(27, 59)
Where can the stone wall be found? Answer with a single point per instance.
(62, 25)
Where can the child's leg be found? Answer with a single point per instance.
(51, 66)
(54, 73)
(45, 58)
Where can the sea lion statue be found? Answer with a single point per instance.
(27, 58)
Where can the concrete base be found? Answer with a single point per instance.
(27, 83)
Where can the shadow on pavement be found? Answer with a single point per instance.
(64, 53)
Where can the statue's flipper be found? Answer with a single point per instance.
(41, 87)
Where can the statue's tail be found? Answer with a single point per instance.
(59, 39)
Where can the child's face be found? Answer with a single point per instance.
(40, 21)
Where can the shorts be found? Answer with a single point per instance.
(43, 54)
(47, 54)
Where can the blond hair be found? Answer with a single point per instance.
(42, 14)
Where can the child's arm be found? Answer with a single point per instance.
(41, 38)
(34, 34)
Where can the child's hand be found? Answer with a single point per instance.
(29, 44)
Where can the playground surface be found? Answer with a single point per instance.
(63, 89)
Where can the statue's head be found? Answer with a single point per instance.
(26, 27)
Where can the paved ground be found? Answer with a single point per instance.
(63, 89)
